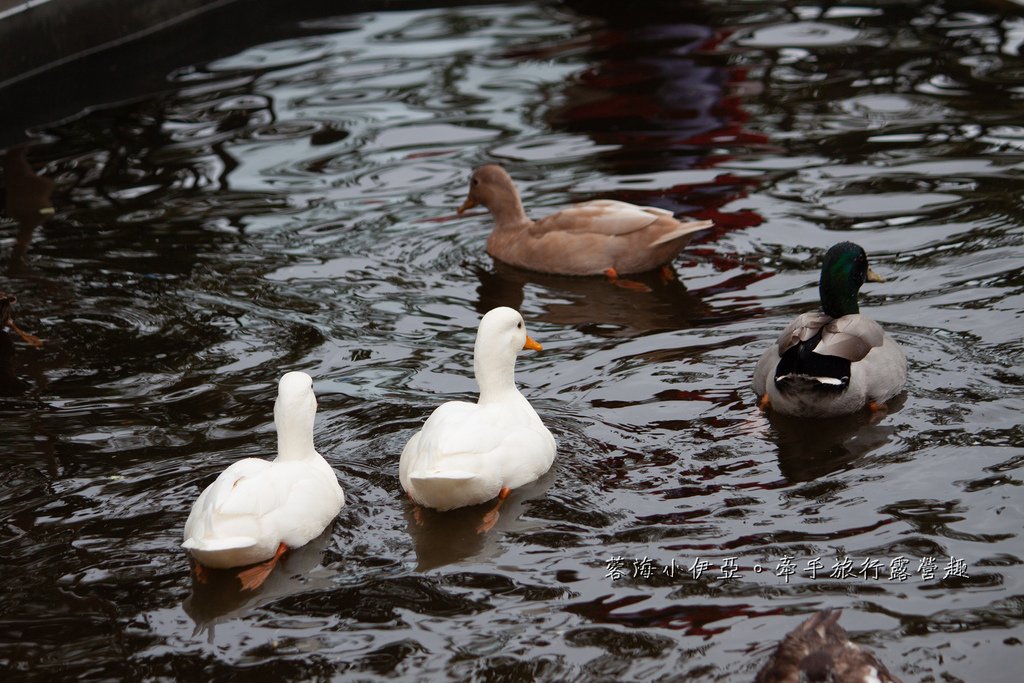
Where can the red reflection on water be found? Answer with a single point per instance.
(693, 620)
(666, 95)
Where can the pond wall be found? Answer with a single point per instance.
(61, 57)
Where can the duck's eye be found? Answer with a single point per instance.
(475, 181)
(519, 325)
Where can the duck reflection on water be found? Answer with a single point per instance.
(10, 385)
(808, 452)
(590, 304)
(221, 596)
(444, 538)
(28, 201)
(662, 98)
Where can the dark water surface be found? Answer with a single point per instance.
(292, 207)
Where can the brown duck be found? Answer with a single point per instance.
(820, 650)
(602, 236)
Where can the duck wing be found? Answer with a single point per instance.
(804, 327)
(453, 433)
(851, 337)
(602, 217)
(819, 349)
(229, 508)
(461, 441)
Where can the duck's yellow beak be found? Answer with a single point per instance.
(532, 345)
(468, 204)
(874, 277)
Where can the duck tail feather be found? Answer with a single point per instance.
(450, 475)
(683, 230)
(215, 544)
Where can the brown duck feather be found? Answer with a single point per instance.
(819, 649)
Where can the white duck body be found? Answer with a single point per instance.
(255, 505)
(466, 453)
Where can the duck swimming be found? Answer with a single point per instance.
(257, 509)
(836, 361)
(470, 453)
(819, 650)
(602, 236)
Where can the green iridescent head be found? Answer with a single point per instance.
(843, 272)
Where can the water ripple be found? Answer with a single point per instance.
(292, 206)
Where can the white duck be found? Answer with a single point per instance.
(257, 509)
(469, 453)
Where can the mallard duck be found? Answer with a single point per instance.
(836, 361)
(602, 236)
(820, 650)
(470, 453)
(257, 509)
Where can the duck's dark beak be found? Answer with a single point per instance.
(468, 204)
(874, 277)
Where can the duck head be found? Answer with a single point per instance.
(500, 338)
(843, 272)
(294, 412)
(492, 187)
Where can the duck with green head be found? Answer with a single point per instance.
(836, 361)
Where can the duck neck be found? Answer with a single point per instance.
(495, 374)
(838, 295)
(294, 436)
(509, 214)
(844, 271)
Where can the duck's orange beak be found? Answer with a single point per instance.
(532, 345)
(468, 204)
